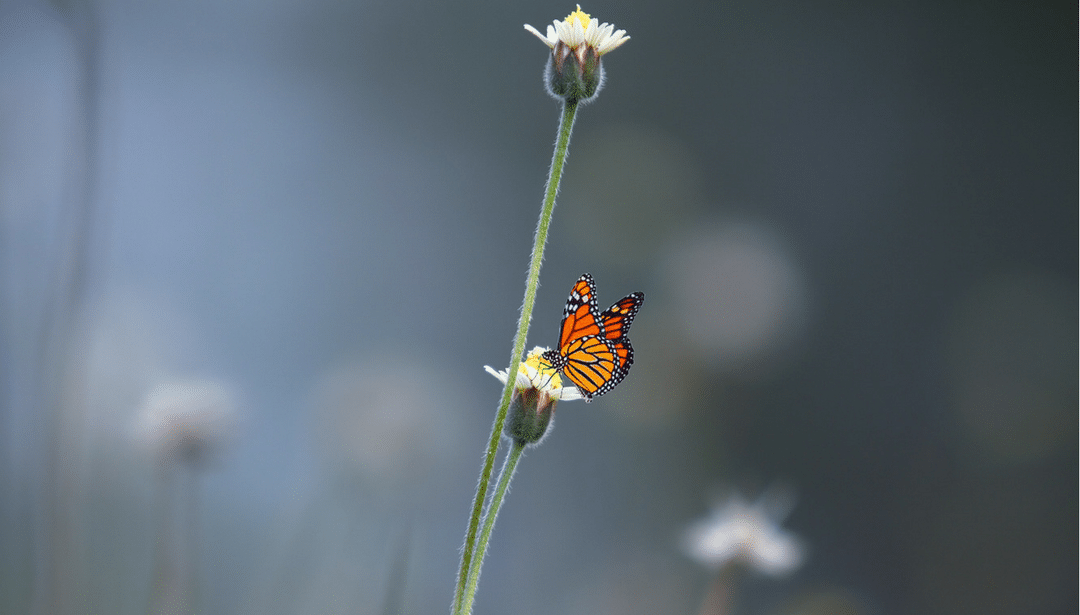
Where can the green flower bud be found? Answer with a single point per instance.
(529, 416)
(573, 76)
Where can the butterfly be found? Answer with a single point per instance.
(594, 352)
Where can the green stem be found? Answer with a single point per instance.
(489, 522)
(562, 145)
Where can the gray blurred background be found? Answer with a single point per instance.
(855, 224)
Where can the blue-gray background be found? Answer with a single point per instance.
(855, 224)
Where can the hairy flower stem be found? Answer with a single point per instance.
(562, 145)
(505, 475)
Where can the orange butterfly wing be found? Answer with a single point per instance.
(579, 315)
(616, 322)
(594, 352)
(590, 365)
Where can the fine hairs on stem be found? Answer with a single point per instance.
(507, 472)
(562, 145)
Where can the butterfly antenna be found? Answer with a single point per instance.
(548, 378)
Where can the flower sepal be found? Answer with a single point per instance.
(574, 76)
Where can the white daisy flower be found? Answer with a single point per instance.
(574, 73)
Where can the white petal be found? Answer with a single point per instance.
(500, 375)
(571, 33)
(776, 553)
(569, 393)
(711, 544)
(612, 42)
(547, 40)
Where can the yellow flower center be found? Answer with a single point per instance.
(582, 17)
(545, 369)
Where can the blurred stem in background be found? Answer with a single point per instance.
(185, 424)
(58, 538)
(175, 576)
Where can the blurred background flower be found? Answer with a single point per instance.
(736, 531)
(187, 421)
(738, 537)
(855, 223)
(184, 425)
(385, 419)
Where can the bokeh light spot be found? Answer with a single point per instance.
(1013, 365)
(738, 294)
(626, 190)
(382, 420)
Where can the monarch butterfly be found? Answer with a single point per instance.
(594, 352)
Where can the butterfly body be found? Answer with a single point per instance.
(594, 351)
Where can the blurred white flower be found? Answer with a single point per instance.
(188, 421)
(749, 533)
